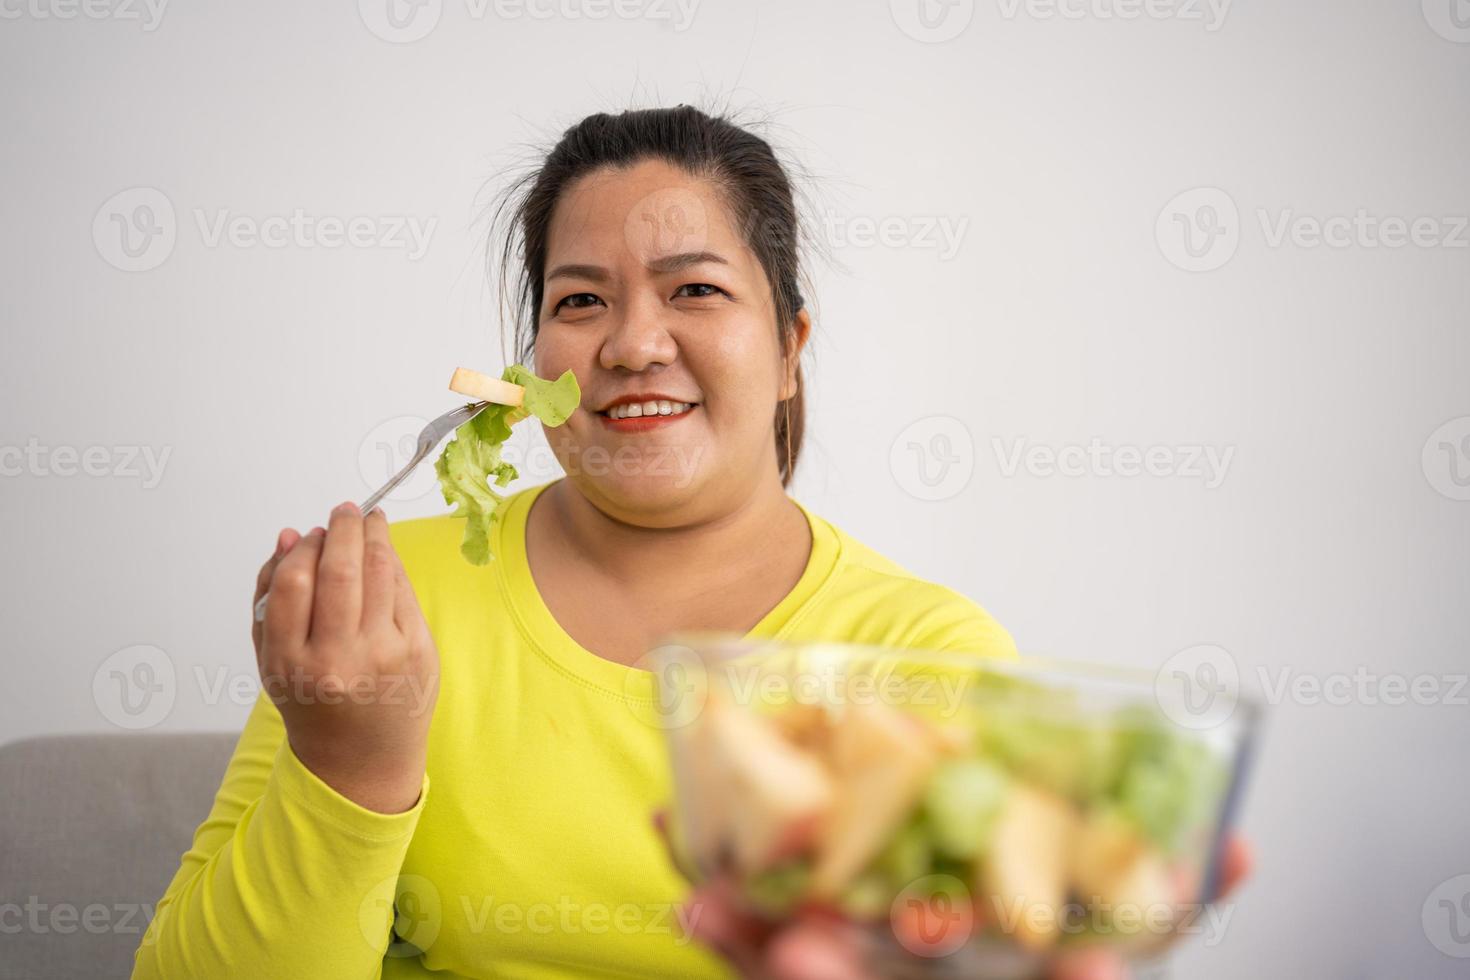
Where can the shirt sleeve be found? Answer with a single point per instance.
(959, 625)
(286, 878)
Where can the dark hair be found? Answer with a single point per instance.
(758, 194)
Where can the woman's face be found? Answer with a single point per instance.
(651, 295)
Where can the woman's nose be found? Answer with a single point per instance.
(639, 338)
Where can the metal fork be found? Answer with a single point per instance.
(431, 436)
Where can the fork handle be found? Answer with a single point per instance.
(371, 504)
(368, 506)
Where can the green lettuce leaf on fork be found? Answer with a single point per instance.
(471, 460)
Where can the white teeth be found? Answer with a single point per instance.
(659, 407)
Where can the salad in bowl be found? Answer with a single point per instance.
(972, 817)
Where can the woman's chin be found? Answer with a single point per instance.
(646, 494)
(644, 499)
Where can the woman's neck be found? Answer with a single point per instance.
(763, 528)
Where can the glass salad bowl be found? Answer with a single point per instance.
(970, 817)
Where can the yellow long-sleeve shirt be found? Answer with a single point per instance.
(530, 853)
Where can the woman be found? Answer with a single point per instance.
(476, 737)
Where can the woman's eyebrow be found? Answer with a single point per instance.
(663, 264)
(673, 263)
(596, 273)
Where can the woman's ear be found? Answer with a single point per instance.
(801, 330)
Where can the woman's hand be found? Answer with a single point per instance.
(815, 947)
(346, 656)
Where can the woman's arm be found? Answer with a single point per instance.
(286, 877)
(294, 872)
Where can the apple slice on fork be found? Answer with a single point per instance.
(484, 388)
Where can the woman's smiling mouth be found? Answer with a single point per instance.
(643, 411)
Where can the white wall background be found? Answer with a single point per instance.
(1052, 146)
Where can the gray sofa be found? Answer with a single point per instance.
(91, 831)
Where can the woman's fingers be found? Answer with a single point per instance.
(406, 612)
(716, 921)
(379, 575)
(1235, 864)
(337, 610)
(285, 541)
(1091, 963)
(1100, 963)
(661, 827)
(808, 949)
(293, 589)
(814, 950)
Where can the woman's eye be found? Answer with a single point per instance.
(578, 301)
(698, 290)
